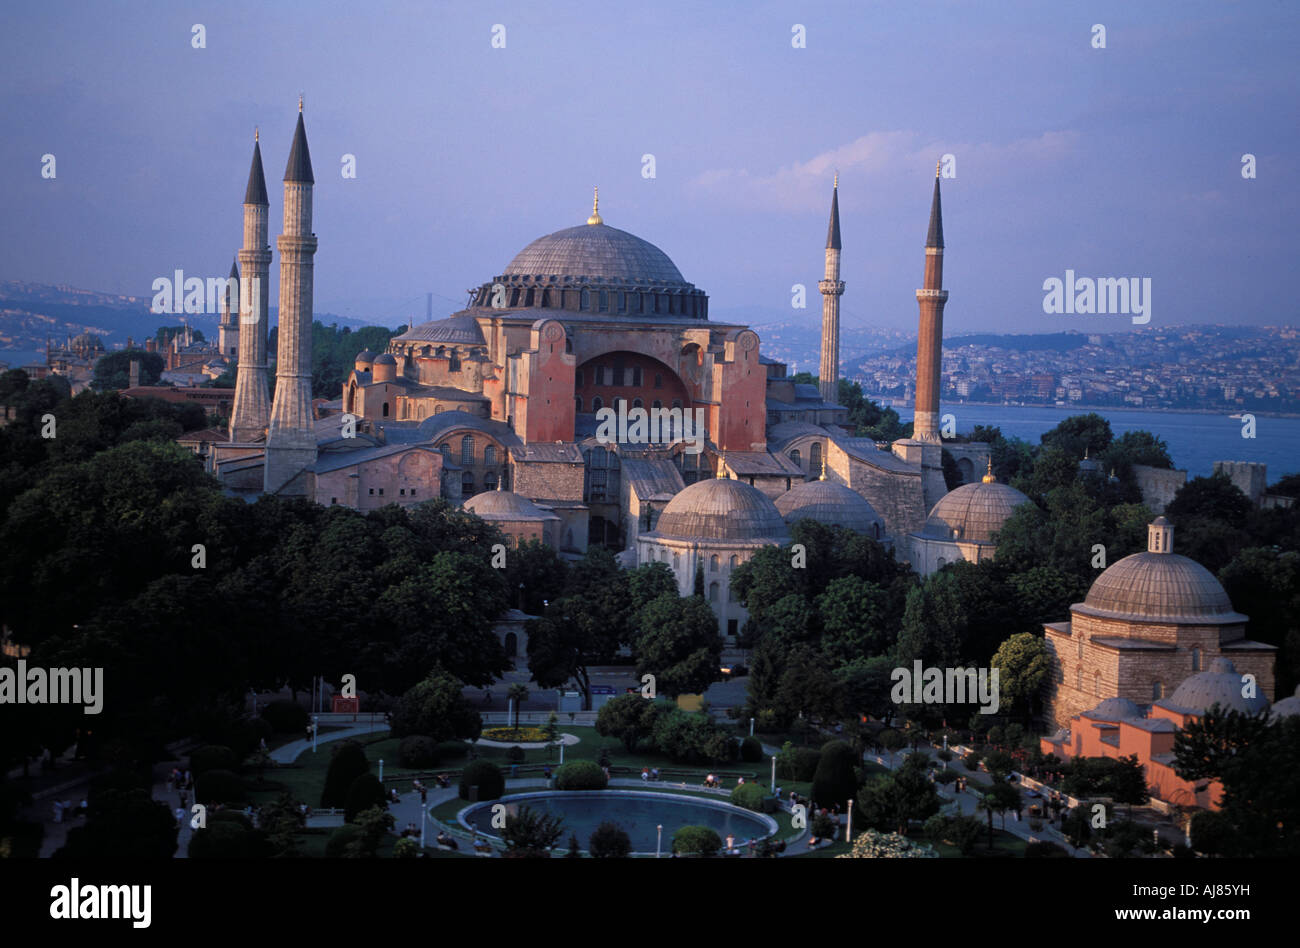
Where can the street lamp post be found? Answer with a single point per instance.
(773, 773)
(381, 770)
(424, 819)
(751, 727)
(848, 827)
(659, 839)
(561, 750)
(315, 731)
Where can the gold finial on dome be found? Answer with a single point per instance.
(938, 165)
(595, 209)
(837, 178)
(255, 132)
(823, 477)
(299, 101)
(722, 475)
(989, 478)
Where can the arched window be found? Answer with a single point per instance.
(815, 458)
(604, 301)
(490, 454)
(1157, 690)
(636, 375)
(445, 449)
(352, 397)
(677, 562)
(713, 563)
(659, 380)
(797, 458)
(467, 450)
(636, 403)
(657, 405)
(713, 592)
(735, 561)
(453, 361)
(490, 480)
(577, 400)
(1096, 684)
(385, 409)
(875, 531)
(584, 301)
(596, 403)
(677, 403)
(1196, 659)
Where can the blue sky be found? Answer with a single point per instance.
(1117, 162)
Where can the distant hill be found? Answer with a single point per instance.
(32, 312)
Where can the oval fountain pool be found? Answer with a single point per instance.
(638, 812)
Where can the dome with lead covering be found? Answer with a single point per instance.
(721, 509)
(1222, 684)
(1287, 707)
(455, 330)
(973, 513)
(1115, 709)
(832, 504)
(597, 252)
(504, 505)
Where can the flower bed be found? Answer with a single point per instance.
(531, 735)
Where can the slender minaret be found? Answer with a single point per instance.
(832, 288)
(291, 443)
(252, 407)
(929, 345)
(228, 330)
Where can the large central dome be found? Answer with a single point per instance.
(597, 252)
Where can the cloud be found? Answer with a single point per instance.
(878, 158)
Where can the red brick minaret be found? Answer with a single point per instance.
(929, 345)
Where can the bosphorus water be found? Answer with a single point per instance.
(1195, 440)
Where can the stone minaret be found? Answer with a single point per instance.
(252, 407)
(832, 288)
(929, 344)
(228, 330)
(291, 443)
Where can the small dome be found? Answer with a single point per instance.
(385, 359)
(721, 509)
(1159, 586)
(598, 252)
(365, 355)
(455, 330)
(1220, 685)
(1115, 709)
(1287, 707)
(975, 511)
(505, 505)
(830, 503)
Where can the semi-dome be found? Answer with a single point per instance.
(455, 330)
(1221, 685)
(973, 513)
(597, 252)
(1115, 709)
(830, 503)
(505, 505)
(1287, 707)
(721, 509)
(1159, 585)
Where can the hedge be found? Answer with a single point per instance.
(580, 775)
(486, 776)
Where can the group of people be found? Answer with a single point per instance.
(649, 773)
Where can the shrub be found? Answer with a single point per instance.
(212, 757)
(285, 717)
(337, 845)
(580, 775)
(609, 841)
(751, 750)
(516, 755)
(226, 840)
(450, 749)
(364, 792)
(750, 796)
(696, 841)
(437, 707)
(972, 761)
(220, 786)
(945, 777)
(822, 826)
(484, 775)
(1045, 850)
(834, 781)
(416, 752)
(348, 763)
(406, 848)
(799, 763)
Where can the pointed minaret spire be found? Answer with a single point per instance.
(832, 288)
(228, 328)
(595, 217)
(931, 299)
(935, 237)
(255, 193)
(299, 166)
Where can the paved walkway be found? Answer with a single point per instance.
(290, 752)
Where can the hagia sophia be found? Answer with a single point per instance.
(495, 408)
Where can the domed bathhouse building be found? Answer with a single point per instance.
(964, 524)
(834, 505)
(715, 525)
(1118, 727)
(1148, 624)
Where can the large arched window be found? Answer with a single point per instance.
(584, 301)
(490, 454)
(467, 450)
(677, 561)
(1196, 659)
(445, 449)
(815, 458)
(453, 361)
(797, 458)
(735, 561)
(713, 563)
(713, 592)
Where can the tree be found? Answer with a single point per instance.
(696, 841)
(627, 717)
(1213, 498)
(517, 694)
(437, 708)
(364, 793)
(609, 841)
(533, 572)
(347, 764)
(113, 371)
(122, 824)
(835, 781)
(1023, 665)
(857, 621)
(891, 801)
(1080, 434)
(679, 644)
(529, 834)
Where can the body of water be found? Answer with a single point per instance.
(1195, 440)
